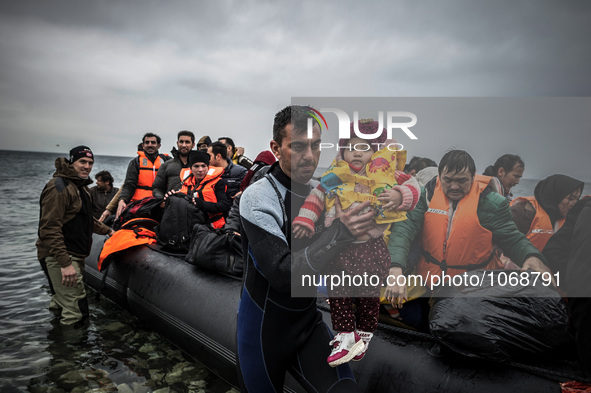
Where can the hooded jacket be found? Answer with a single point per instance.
(65, 218)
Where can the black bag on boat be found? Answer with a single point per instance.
(176, 227)
(216, 249)
(500, 322)
(148, 207)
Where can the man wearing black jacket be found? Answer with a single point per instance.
(233, 174)
(168, 175)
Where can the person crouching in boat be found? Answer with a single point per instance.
(359, 172)
(541, 215)
(204, 184)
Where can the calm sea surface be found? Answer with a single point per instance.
(116, 353)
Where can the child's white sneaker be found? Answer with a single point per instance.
(366, 337)
(346, 345)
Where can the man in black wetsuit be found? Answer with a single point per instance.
(278, 333)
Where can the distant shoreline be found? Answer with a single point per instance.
(64, 153)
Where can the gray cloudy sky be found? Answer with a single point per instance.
(102, 73)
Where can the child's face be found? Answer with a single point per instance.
(360, 152)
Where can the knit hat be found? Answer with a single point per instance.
(79, 152)
(198, 156)
(204, 139)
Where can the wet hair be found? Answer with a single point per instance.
(420, 163)
(105, 176)
(186, 133)
(455, 161)
(229, 141)
(219, 148)
(151, 135)
(508, 162)
(297, 115)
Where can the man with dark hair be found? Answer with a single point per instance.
(233, 174)
(278, 333)
(409, 163)
(102, 193)
(422, 168)
(458, 219)
(507, 171)
(236, 154)
(141, 171)
(419, 164)
(169, 174)
(65, 233)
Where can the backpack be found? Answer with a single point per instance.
(148, 207)
(178, 220)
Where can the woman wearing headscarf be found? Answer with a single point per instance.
(541, 215)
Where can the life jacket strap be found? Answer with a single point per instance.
(444, 265)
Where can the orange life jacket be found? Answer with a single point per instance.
(146, 176)
(465, 244)
(133, 233)
(206, 191)
(184, 174)
(541, 228)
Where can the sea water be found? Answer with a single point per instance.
(116, 353)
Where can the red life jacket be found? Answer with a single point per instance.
(146, 176)
(541, 228)
(206, 191)
(465, 244)
(133, 233)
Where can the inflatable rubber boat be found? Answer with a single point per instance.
(196, 311)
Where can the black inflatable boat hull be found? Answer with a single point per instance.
(196, 311)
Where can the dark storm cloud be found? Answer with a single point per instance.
(116, 68)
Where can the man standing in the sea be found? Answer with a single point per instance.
(65, 233)
(278, 333)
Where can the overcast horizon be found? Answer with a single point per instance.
(102, 73)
